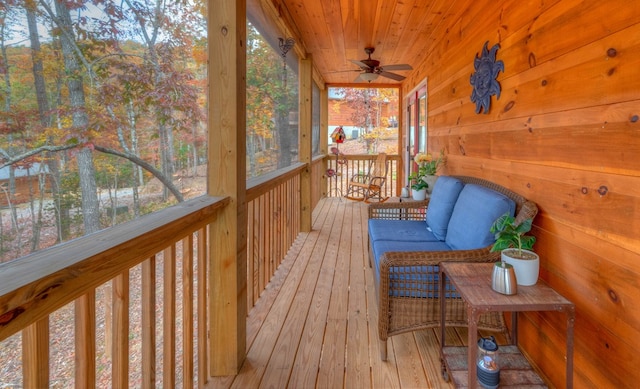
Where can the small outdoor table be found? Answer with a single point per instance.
(473, 283)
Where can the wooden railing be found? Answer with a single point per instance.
(101, 310)
(360, 164)
(97, 310)
(273, 223)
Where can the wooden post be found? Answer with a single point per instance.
(227, 177)
(324, 136)
(400, 170)
(305, 125)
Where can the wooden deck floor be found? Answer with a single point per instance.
(316, 324)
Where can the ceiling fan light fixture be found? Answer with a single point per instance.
(369, 76)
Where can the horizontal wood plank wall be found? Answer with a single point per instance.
(566, 134)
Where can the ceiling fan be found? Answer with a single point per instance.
(371, 69)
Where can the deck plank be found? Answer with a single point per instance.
(315, 325)
(307, 361)
(332, 364)
(358, 372)
(279, 367)
(278, 300)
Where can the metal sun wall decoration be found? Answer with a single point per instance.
(484, 79)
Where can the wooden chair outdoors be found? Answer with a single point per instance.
(368, 187)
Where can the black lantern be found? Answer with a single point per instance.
(487, 367)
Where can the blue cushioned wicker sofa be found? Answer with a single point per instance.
(407, 241)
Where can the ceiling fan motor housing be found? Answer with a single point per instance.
(371, 63)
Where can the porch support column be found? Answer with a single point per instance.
(324, 137)
(227, 177)
(304, 147)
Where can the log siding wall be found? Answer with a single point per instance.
(564, 133)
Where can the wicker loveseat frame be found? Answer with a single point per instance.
(398, 313)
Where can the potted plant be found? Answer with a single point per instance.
(424, 179)
(419, 187)
(516, 248)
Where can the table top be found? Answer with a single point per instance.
(473, 283)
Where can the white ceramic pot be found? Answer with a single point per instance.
(419, 194)
(527, 270)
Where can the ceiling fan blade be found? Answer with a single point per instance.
(345, 71)
(399, 66)
(359, 63)
(392, 76)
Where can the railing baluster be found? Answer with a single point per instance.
(35, 354)
(187, 312)
(120, 337)
(250, 257)
(85, 334)
(149, 323)
(203, 375)
(169, 318)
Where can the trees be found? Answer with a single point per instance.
(272, 106)
(106, 95)
(105, 77)
(370, 110)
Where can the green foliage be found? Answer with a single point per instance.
(418, 182)
(510, 235)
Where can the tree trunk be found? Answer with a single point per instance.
(43, 107)
(86, 170)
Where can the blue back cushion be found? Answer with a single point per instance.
(443, 198)
(475, 211)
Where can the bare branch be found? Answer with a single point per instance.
(11, 160)
(147, 166)
(133, 158)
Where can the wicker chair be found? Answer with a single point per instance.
(368, 187)
(398, 314)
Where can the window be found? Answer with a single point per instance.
(272, 104)
(416, 126)
(315, 124)
(116, 107)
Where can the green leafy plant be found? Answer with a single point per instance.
(427, 166)
(510, 235)
(418, 182)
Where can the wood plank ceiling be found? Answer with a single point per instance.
(336, 31)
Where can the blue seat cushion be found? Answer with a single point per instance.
(443, 198)
(400, 230)
(383, 246)
(409, 281)
(475, 211)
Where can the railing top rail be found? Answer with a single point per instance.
(366, 157)
(38, 284)
(259, 185)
